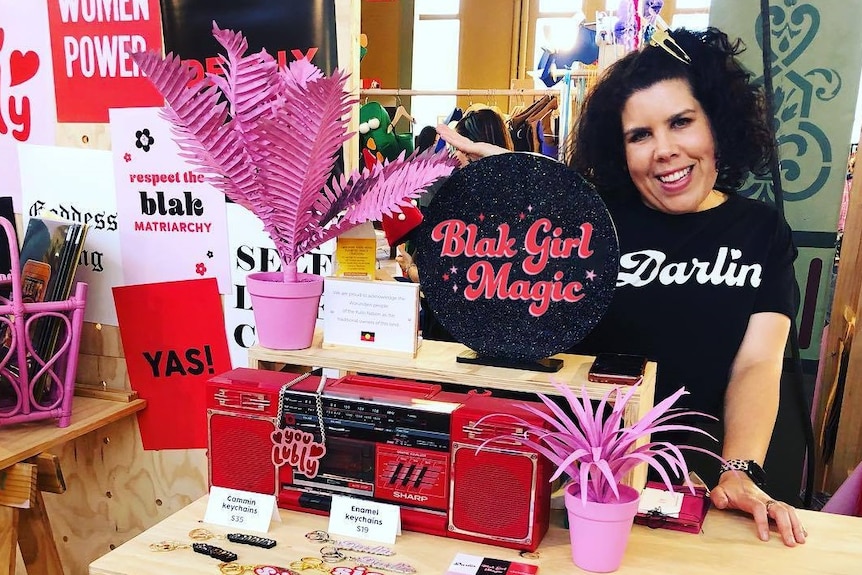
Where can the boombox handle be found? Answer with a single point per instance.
(428, 390)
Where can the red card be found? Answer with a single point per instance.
(174, 341)
(92, 44)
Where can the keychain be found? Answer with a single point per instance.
(308, 563)
(323, 537)
(237, 569)
(201, 534)
(332, 554)
(202, 548)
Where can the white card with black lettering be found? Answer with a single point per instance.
(370, 520)
(241, 509)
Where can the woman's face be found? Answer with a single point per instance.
(670, 149)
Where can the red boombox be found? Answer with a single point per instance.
(305, 438)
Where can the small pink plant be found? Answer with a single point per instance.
(598, 452)
(269, 138)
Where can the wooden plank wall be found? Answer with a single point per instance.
(846, 306)
(115, 489)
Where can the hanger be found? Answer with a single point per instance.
(542, 112)
(519, 106)
(400, 113)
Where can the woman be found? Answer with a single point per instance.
(484, 125)
(706, 279)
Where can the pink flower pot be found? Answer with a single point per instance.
(599, 532)
(284, 312)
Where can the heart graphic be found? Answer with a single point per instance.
(23, 66)
(2, 36)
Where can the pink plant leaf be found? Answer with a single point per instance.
(567, 463)
(592, 420)
(249, 81)
(651, 461)
(583, 480)
(608, 475)
(299, 74)
(644, 423)
(560, 420)
(199, 122)
(628, 438)
(371, 194)
(583, 419)
(615, 418)
(300, 154)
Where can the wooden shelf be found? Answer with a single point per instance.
(436, 362)
(22, 440)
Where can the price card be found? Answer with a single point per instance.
(370, 520)
(242, 509)
(665, 502)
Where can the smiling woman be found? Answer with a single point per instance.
(667, 140)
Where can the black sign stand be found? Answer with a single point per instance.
(546, 365)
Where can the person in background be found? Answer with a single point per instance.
(482, 125)
(427, 138)
(706, 285)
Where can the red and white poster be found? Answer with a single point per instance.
(27, 111)
(92, 42)
(172, 221)
(174, 341)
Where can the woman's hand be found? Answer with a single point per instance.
(471, 150)
(735, 490)
(405, 262)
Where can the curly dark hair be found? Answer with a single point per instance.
(744, 142)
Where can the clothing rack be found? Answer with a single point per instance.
(370, 92)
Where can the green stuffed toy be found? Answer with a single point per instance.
(377, 135)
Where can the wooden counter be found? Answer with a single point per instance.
(728, 544)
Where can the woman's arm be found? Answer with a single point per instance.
(473, 150)
(750, 408)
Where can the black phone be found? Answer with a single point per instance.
(624, 369)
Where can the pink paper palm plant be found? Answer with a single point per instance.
(271, 137)
(597, 451)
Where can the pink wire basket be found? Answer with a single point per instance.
(22, 370)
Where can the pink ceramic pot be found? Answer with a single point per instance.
(599, 532)
(284, 312)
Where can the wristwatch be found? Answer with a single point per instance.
(748, 466)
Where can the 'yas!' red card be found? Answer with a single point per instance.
(174, 341)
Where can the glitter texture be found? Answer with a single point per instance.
(525, 226)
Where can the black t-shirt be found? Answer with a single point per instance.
(687, 286)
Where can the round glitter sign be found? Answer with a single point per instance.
(518, 257)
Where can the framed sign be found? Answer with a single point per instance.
(379, 316)
(518, 257)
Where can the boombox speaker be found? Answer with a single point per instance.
(241, 452)
(241, 417)
(500, 495)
